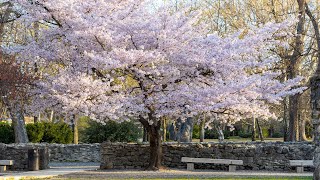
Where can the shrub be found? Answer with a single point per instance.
(244, 134)
(265, 132)
(110, 131)
(196, 132)
(277, 135)
(39, 132)
(227, 134)
(309, 129)
(128, 132)
(35, 132)
(97, 132)
(213, 134)
(6, 133)
(57, 133)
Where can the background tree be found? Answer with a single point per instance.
(14, 86)
(13, 81)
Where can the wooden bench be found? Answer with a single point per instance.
(232, 163)
(4, 164)
(300, 164)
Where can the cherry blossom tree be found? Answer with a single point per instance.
(15, 80)
(121, 59)
(15, 83)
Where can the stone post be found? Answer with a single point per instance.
(172, 132)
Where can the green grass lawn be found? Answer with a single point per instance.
(222, 178)
(268, 178)
(239, 139)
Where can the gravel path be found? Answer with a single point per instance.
(177, 173)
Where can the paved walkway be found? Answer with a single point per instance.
(56, 169)
(178, 173)
(82, 170)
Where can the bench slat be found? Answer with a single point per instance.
(6, 162)
(213, 161)
(302, 163)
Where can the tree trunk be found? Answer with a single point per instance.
(172, 132)
(249, 128)
(75, 130)
(202, 131)
(15, 109)
(51, 116)
(302, 135)
(271, 131)
(155, 142)
(315, 106)
(178, 128)
(17, 116)
(220, 133)
(293, 118)
(260, 130)
(191, 130)
(35, 119)
(285, 120)
(315, 100)
(164, 127)
(186, 130)
(295, 61)
(145, 134)
(155, 148)
(253, 136)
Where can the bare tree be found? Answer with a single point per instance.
(295, 60)
(315, 97)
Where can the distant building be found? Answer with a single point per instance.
(27, 120)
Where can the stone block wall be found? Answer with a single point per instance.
(17, 153)
(256, 156)
(57, 153)
(74, 152)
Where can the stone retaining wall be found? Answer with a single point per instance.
(17, 153)
(256, 156)
(74, 152)
(57, 153)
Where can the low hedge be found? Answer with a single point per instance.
(6, 133)
(50, 132)
(39, 132)
(96, 132)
